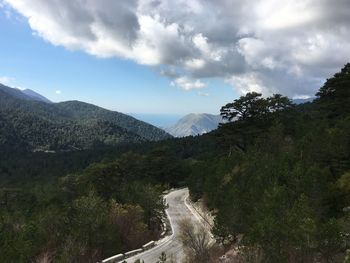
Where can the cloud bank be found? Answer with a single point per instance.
(268, 46)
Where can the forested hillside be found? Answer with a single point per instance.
(280, 186)
(35, 125)
(277, 180)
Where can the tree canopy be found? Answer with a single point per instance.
(252, 105)
(334, 96)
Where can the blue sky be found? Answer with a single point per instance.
(114, 83)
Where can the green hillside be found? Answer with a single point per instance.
(277, 180)
(37, 125)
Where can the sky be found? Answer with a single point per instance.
(171, 57)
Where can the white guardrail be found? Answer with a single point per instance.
(149, 245)
(113, 259)
(131, 253)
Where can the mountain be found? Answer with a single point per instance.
(197, 124)
(194, 124)
(16, 93)
(26, 94)
(32, 124)
(301, 101)
(84, 112)
(35, 96)
(158, 120)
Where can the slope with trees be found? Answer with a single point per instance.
(276, 178)
(280, 188)
(36, 125)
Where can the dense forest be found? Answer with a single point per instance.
(276, 177)
(280, 186)
(71, 125)
(88, 214)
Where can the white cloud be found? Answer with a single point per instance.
(247, 83)
(195, 63)
(273, 46)
(201, 42)
(187, 83)
(5, 9)
(58, 92)
(276, 15)
(5, 80)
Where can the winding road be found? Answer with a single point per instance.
(178, 210)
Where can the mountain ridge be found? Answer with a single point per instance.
(34, 124)
(194, 124)
(35, 95)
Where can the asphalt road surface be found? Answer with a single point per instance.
(171, 245)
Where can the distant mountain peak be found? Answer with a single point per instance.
(303, 100)
(26, 94)
(35, 96)
(194, 124)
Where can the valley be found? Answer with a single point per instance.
(299, 153)
(174, 131)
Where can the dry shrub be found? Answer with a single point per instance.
(197, 243)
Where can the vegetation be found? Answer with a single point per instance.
(276, 176)
(252, 105)
(196, 241)
(280, 187)
(73, 125)
(109, 207)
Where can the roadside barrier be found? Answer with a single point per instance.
(114, 259)
(149, 245)
(133, 252)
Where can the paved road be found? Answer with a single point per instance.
(177, 211)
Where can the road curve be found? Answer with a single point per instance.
(178, 209)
